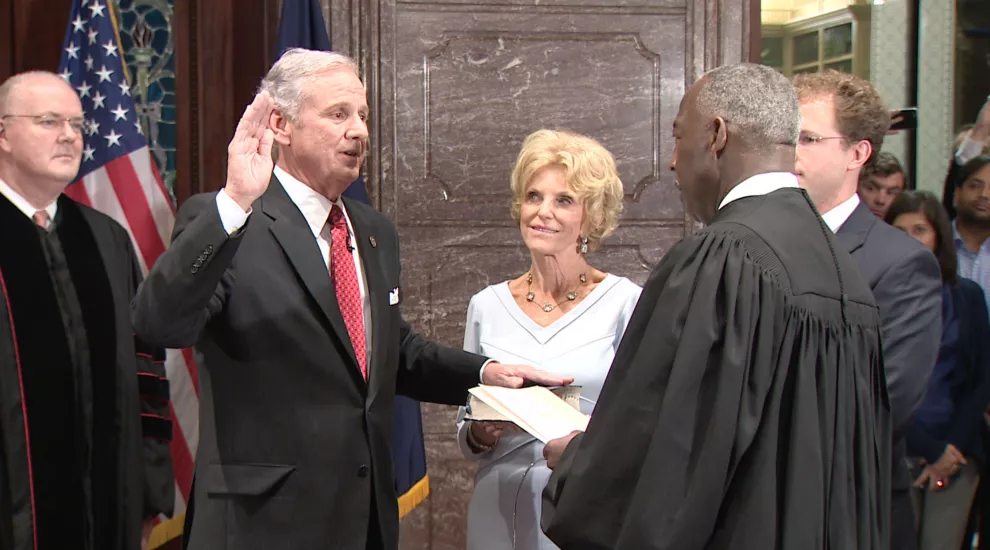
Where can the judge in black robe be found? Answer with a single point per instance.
(746, 406)
(84, 406)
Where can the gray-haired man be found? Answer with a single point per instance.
(291, 294)
(745, 407)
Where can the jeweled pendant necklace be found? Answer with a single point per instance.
(549, 306)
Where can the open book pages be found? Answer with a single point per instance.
(536, 409)
(480, 411)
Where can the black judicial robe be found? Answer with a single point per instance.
(84, 454)
(746, 407)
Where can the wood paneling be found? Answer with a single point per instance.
(223, 49)
(215, 89)
(6, 40)
(186, 82)
(39, 29)
(31, 35)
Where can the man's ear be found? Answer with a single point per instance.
(862, 151)
(281, 127)
(719, 136)
(4, 142)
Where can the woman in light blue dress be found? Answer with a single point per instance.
(562, 315)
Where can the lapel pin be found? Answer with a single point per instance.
(374, 243)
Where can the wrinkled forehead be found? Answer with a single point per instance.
(42, 94)
(338, 85)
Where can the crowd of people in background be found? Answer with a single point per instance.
(948, 439)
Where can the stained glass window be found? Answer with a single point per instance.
(148, 43)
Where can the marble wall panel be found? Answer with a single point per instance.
(455, 86)
(468, 97)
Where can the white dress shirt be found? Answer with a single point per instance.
(23, 205)
(837, 216)
(968, 150)
(316, 209)
(760, 184)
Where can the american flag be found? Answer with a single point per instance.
(119, 177)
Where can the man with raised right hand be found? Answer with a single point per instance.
(291, 294)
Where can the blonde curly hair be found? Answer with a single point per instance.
(589, 170)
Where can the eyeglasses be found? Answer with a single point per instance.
(811, 139)
(52, 122)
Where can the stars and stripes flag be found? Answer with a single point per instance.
(118, 177)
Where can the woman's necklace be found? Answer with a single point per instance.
(550, 306)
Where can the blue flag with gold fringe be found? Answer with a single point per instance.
(302, 26)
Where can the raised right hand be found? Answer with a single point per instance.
(249, 155)
(981, 130)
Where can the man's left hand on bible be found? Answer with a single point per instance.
(517, 376)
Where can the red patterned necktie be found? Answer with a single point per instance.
(41, 219)
(345, 283)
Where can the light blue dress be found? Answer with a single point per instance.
(505, 508)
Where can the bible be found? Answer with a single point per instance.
(546, 413)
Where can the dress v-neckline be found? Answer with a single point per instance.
(544, 333)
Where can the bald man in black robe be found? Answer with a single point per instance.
(84, 404)
(746, 407)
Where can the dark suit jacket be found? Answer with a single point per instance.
(970, 388)
(907, 285)
(294, 444)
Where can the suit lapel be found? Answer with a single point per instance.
(371, 261)
(853, 232)
(293, 234)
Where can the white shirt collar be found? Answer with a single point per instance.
(837, 216)
(760, 184)
(23, 205)
(314, 206)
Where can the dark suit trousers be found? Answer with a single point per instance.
(374, 528)
(903, 532)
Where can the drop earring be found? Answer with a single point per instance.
(584, 245)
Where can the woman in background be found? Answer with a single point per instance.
(562, 315)
(944, 438)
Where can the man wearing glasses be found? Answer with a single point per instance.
(843, 125)
(81, 467)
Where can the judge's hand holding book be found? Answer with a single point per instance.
(555, 448)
